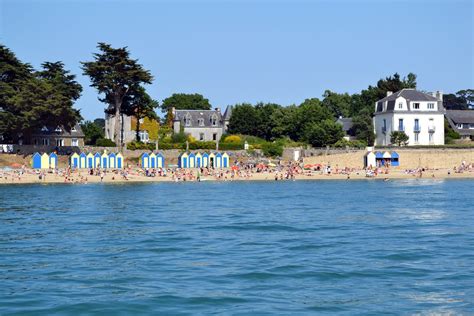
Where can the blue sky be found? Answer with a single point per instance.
(250, 51)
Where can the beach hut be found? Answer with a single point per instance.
(387, 157)
(205, 160)
(369, 160)
(145, 160)
(212, 160)
(36, 161)
(198, 160)
(90, 160)
(119, 160)
(378, 158)
(152, 160)
(74, 161)
(112, 160)
(104, 159)
(97, 160)
(192, 160)
(82, 160)
(160, 160)
(53, 160)
(395, 159)
(183, 160)
(44, 161)
(225, 160)
(218, 163)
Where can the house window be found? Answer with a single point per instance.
(459, 125)
(36, 141)
(416, 106)
(417, 125)
(214, 120)
(73, 129)
(416, 138)
(214, 136)
(187, 120)
(201, 122)
(45, 141)
(58, 129)
(59, 142)
(384, 127)
(471, 126)
(74, 142)
(201, 136)
(430, 137)
(400, 125)
(431, 126)
(400, 105)
(143, 135)
(431, 106)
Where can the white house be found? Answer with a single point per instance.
(419, 115)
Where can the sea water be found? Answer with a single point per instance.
(307, 247)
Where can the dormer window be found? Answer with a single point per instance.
(214, 120)
(58, 129)
(416, 106)
(431, 106)
(44, 129)
(201, 122)
(73, 129)
(400, 105)
(187, 120)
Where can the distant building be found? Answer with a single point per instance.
(420, 115)
(204, 125)
(127, 130)
(58, 136)
(462, 121)
(347, 124)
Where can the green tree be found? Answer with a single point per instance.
(92, 132)
(399, 138)
(338, 103)
(244, 120)
(116, 76)
(140, 105)
(324, 133)
(183, 101)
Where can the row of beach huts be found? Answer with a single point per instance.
(116, 160)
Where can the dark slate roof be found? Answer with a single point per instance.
(346, 123)
(228, 113)
(195, 115)
(461, 117)
(51, 131)
(410, 95)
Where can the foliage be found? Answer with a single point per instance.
(180, 137)
(92, 132)
(234, 139)
(399, 138)
(342, 143)
(272, 149)
(152, 126)
(105, 142)
(202, 145)
(30, 99)
(449, 134)
(462, 100)
(118, 78)
(191, 139)
(140, 145)
(230, 146)
(325, 133)
(183, 101)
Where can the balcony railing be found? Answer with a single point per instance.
(431, 129)
(417, 129)
(401, 128)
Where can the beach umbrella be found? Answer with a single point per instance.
(235, 168)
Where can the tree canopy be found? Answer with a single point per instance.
(118, 79)
(183, 101)
(31, 99)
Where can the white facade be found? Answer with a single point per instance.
(419, 115)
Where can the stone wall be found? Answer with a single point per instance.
(409, 158)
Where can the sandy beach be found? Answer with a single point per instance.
(30, 177)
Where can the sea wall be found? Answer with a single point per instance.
(409, 158)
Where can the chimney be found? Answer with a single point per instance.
(439, 96)
(389, 93)
(217, 109)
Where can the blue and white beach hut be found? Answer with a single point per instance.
(225, 160)
(112, 160)
(152, 160)
(97, 162)
(145, 160)
(212, 160)
(82, 160)
(205, 160)
(104, 160)
(198, 160)
(379, 158)
(74, 161)
(386, 158)
(191, 160)
(395, 159)
(183, 160)
(90, 160)
(160, 160)
(119, 160)
(218, 163)
(53, 160)
(36, 161)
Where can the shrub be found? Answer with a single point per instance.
(202, 145)
(353, 144)
(180, 137)
(230, 146)
(104, 142)
(139, 145)
(272, 149)
(233, 139)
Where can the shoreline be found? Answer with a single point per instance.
(440, 174)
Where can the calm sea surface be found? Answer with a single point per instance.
(358, 247)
